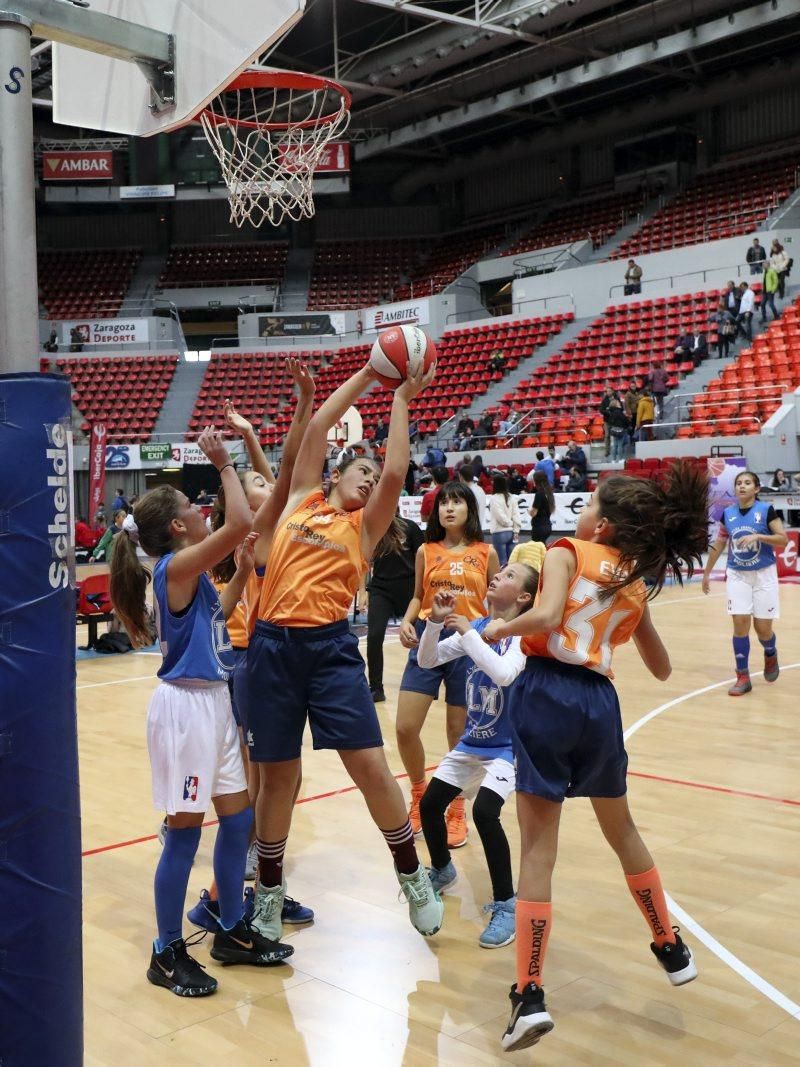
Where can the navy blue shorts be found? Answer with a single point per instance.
(567, 732)
(237, 687)
(417, 679)
(311, 673)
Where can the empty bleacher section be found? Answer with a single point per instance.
(347, 275)
(595, 220)
(716, 205)
(74, 285)
(450, 256)
(561, 399)
(190, 266)
(749, 390)
(124, 392)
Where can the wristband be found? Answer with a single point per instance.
(224, 465)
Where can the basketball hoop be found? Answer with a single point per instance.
(269, 130)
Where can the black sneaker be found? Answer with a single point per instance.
(677, 960)
(378, 695)
(244, 944)
(176, 970)
(529, 1020)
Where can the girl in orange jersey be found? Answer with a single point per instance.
(259, 487)
(565, 716)
(454, 559)
(303, 662)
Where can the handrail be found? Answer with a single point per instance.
(718, 392)
(701, 399)
(672, 278)
(517, 305)
(706, 422)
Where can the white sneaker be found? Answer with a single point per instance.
(425, 907)
(267, 909)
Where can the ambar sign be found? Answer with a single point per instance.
(77, 166)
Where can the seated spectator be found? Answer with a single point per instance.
(85, 536)
(507, 427)
(645, 414)
(780, 482)
(770, 288)
(633, 278)
(756, 254)
(657, 380)
(465, 431)
(575, 457)
(497, 362)
(744, 320)
(726, 329)
(779, 261)
(576, 482)
(692, 346)
(516, 482)
(440, 476)
(547, 466)
(381, 433)
(100, 520)
(51, 344)
(485, 428)
(105, 546)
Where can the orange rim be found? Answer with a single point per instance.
(279, 79)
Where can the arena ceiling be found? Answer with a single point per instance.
(435, 79)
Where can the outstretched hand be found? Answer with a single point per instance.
(302, 378)
(415, 383)
(443, 604)
(234, 420)
(245, 556)
(211, 443)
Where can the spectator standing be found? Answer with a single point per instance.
(440, 476)
(732, 296)
(633, 278)
(542, 507)
(756, 255)
(100, 518)
(434, 457)
(630, 403)
(75, 340)
(619, 424)
(547, 466)
(467, 476)
(504, 520)
(51, 344)
(657, 380)
(119, 503)
(779, 261)
(465, 431)
(609, 394)
(746, 308)
(768, 291)
(726, 329)
(645, 414)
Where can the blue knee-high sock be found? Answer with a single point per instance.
(172, 877)
(230, 857)
(741, 652)
(769, 646)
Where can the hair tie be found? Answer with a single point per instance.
(343, 457)
(130, 528)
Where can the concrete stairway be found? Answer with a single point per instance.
(143, 283)
(173, 419)
(296, 278)
(628, 230)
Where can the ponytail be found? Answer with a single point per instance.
(659, 530)
(152, 516)
(225, 569)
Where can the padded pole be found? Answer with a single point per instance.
(41, 984)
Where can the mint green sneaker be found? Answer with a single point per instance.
(267, 909)
(425, 907)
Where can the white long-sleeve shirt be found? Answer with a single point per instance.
(501, 669)
(503, 516)
(748, 301)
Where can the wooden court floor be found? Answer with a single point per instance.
(715, 789)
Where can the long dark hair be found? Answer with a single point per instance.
(541, 484)
(473, 531)
(500, 485)
(394, 540)
(750, 474)
(657, 528)
(153, 514)
(226, 568)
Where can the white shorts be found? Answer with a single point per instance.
(754, 593)
(194, 748)
(470, 773)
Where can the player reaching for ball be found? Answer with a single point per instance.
(303, 661)
(565, 715)
(752, 531)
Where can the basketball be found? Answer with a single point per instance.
(398, 352)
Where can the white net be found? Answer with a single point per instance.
(268, 142)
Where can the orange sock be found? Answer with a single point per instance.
(212, 893)
(646, 890)
(533, 922)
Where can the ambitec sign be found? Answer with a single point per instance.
(77, 166)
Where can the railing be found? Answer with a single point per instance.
(654, 426)
(745, 393)
(221, 283)
(740, 268)
(334, 340)
(770, 205)
(552, 259)
(544, 300)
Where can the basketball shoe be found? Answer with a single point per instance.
(501, 928)
(267, 909)
(771, 668)
(174, 969)
(244, 944)
(417, 793)
(677, 960)
(742, 684)
(442, 877)
(425, 907)
(456, 819)
(529, 1021)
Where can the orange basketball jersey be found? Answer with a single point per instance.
(314, 567)
(592, 626)
(239, 628)
(463, 572)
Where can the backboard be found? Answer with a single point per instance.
(214, 41)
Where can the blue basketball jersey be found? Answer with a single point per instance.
(487, 704)
(738, 524)
(195, 644)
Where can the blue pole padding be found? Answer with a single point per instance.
(41, 971)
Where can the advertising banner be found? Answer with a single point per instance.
(300, 325)
(564, 518)
(145, 192)
(415, 312)
(97, 468)
(787, 558)
(77, 166)
(106, 332)
(334, 158)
